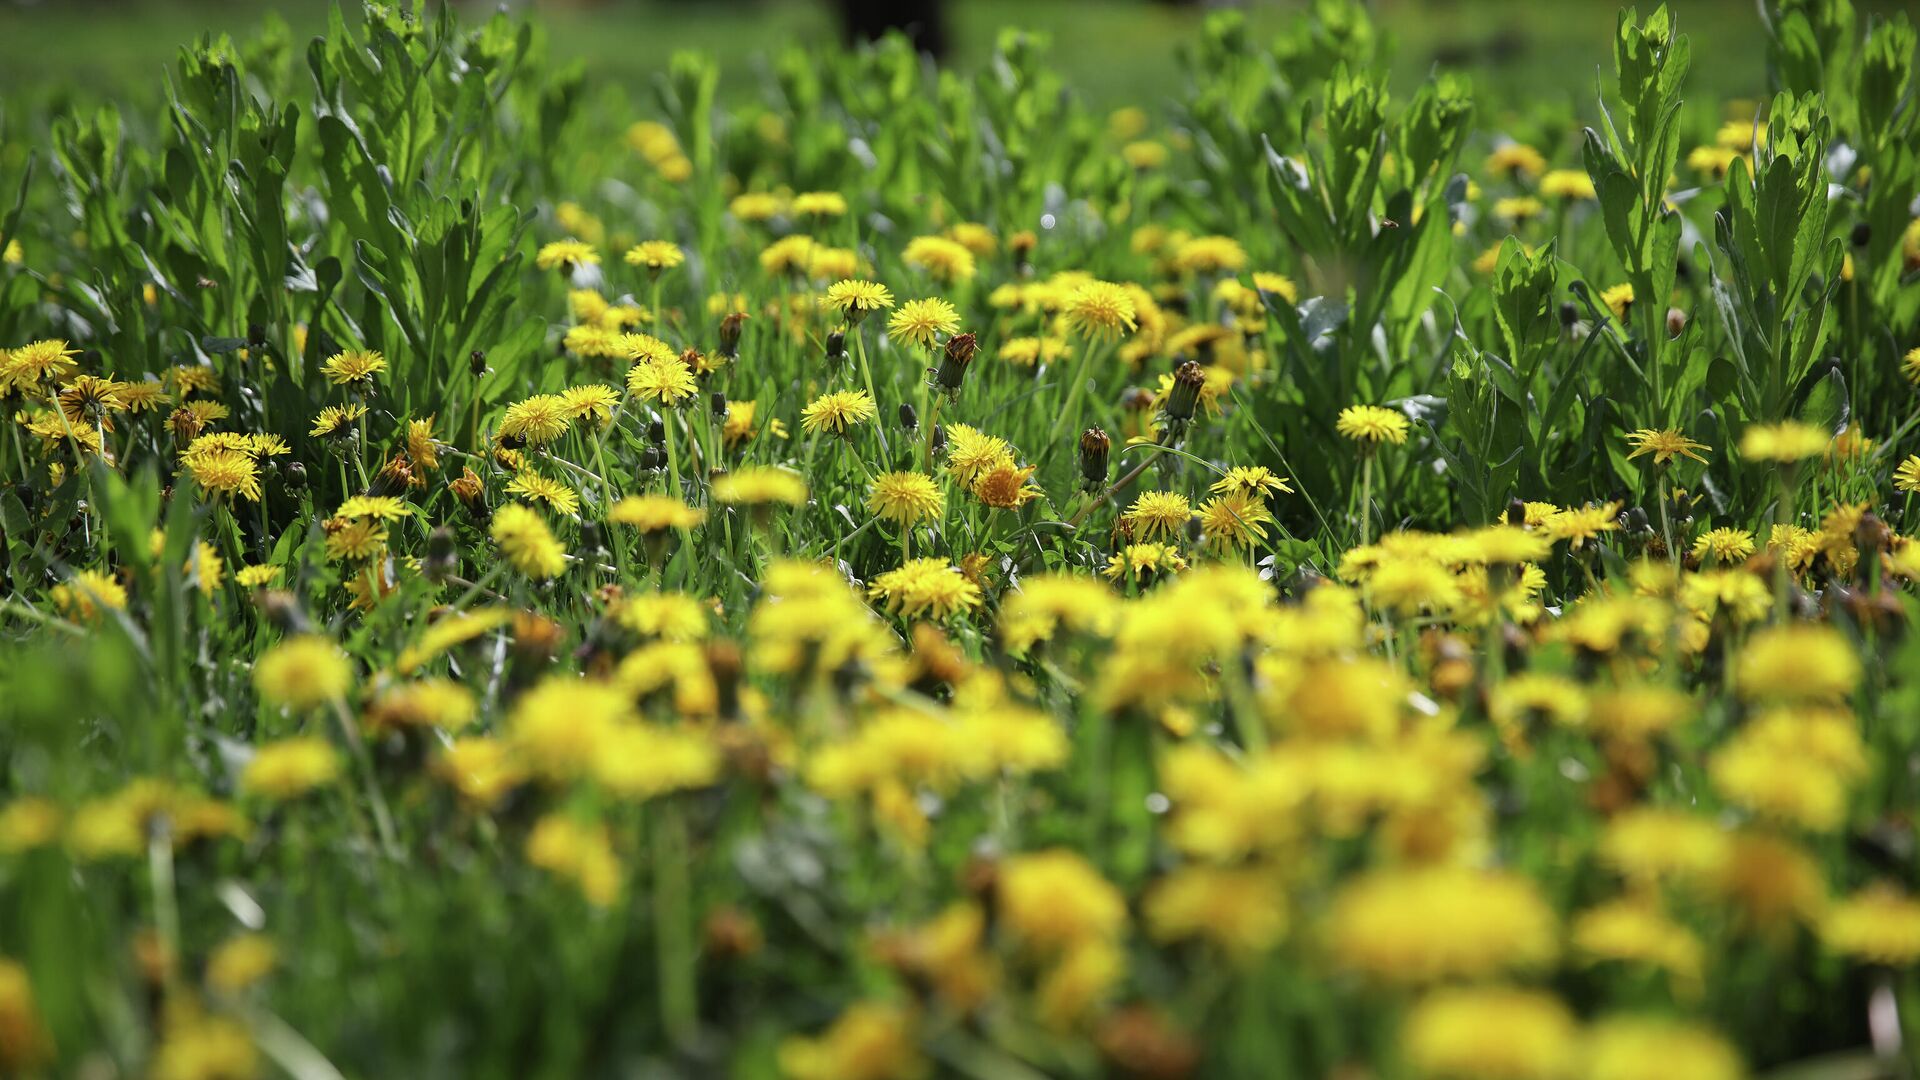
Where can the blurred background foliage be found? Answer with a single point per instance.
(1114, 51)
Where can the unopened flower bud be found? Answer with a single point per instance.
(1862, 234)
(953, 362)
(836, 345)
(717, 404)
(1188, 379)
(909, 420)
(939, 439)
(656, 433)
(1095, 449)
(730, 327)
(296, 476)
(477, 363)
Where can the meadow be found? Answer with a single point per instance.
(878, 571)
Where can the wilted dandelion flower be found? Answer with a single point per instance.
(667, 381)
(565, 255)
(1665, 445)
(88, 399)
(857, 299)
(1005, 487)
(1784, 443)
(945, 260)
(302, 672)
(523, 537)
(290, 768)
(837, 411)
(761, 485)
(355, 368)
(1100, 310)
(904, 497)
(923, 322)
(929, 587)
(656, 255)
(1372, 424)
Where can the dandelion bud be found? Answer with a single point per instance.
(477, 363)
(909, 420)
(1187, 381)
(717, 404)
(953, 362)
(394, 477)
(1568, 313)
(1676, 322)
(1861, 235)
(443, 555)
(726, 667)
(256, 334)
(1516, 512)
(730, 327)
(296, 476)
(653, 459)
(1872, 534)
(656, 433)
(1095, 449)
(939, 439)
(837, 345)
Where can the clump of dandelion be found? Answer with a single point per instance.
(1369, 426)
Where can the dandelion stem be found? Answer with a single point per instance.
(672, 920)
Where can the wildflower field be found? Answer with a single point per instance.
(900, 574)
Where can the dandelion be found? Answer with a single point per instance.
(1567, 184)
(1578, 525)
(523, 537)
(922, 322)
(837, 411)
(41, 361)
(1159, 513)
(1910, 364)
(667, 381)
(88, 594)
(1878, 925)
(302, 672)
(819, 204)
(355, 369)
(226, 473)
(907, 498)
(1255, 480)
(657, 256)
(88, 399)
(1372, 425)
(1665, 445)
(336, 420)
(594, 402)
(1100, 310)
(1515, 158)
(1490, 1033)
(1784, 443)
(1640, 1048)
(566, 255)
(1233, 521)
(545, 489)
(972, 453)
(655, 513)
(926, 587)
(290, 768)
(943, 259)
(1210, 255)
(1906, 476)
(1724, 545)
(761, 485)
(1005, 487)
(855, 300)
(1423, 925)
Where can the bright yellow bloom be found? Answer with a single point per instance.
(353, 368)
(905, 497)
(1372, 424)
(837, 411)
(923, 322)
(302, 672)
(291, 768)
(523, 537)
(1664, 445)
